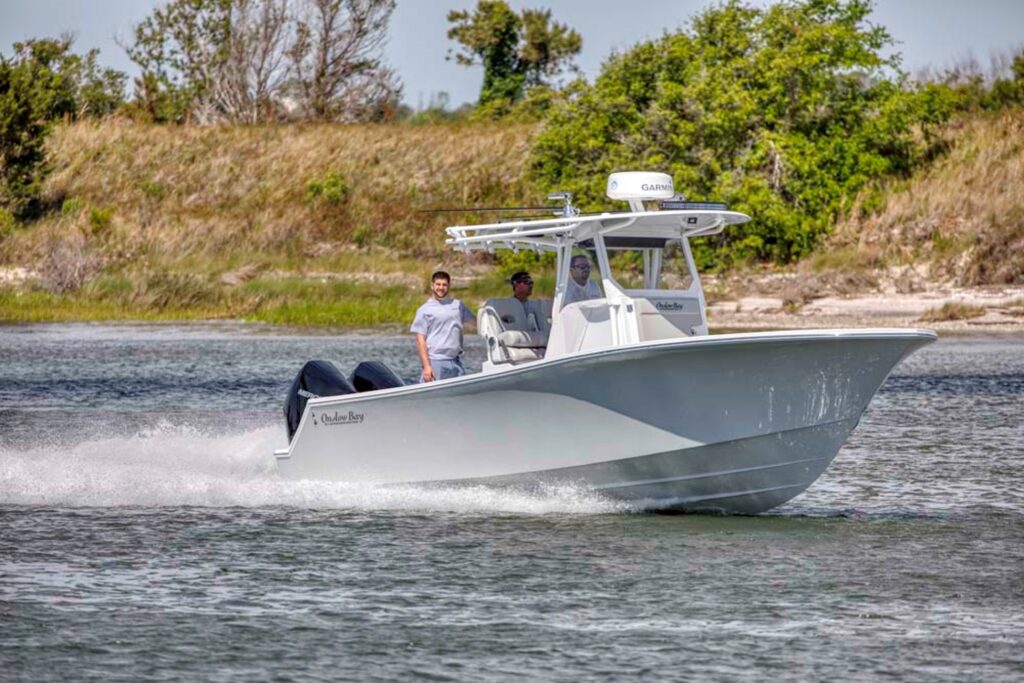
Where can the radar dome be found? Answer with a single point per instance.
(642, 185)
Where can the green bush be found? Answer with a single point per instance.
(33, 92)
(362, 236)
(7, 223)
(510, 261)
(331, 189)
(784, 112)
(100, 219)
(153, 190)
(41, 83)
(72, 206)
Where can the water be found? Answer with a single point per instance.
(144, 536)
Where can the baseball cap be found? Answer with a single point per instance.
(519, 276)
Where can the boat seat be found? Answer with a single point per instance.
(515, 334)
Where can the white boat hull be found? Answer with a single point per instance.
(731, 423)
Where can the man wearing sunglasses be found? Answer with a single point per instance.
(580, 287)
(522, 290)
(522, 286)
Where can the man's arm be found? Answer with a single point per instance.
(468, 316)
(421, 348)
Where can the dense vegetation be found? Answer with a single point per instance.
(959, 219)
(42, 82)
(790, 113)
(521, 54)
(258, 61)
(785, 113)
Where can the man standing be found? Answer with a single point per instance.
(438, 328)
(580, 287)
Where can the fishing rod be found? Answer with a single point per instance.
(565, 209)
(493, 208)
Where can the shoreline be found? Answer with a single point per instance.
(747, 314)
(970, 310)
(982, 309)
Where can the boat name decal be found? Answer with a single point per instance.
(336, 418)
(674, 306)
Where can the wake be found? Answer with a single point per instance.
(175, 465)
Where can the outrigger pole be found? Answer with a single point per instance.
(494, 208)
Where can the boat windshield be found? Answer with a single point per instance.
(675, 273)
(663, 268)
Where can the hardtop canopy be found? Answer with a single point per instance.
(619, 230)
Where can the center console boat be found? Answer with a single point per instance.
(626, 395)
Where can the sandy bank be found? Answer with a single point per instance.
(1002, 310)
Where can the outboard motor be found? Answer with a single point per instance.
(371, 375)
(317, 378)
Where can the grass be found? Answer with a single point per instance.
(952, 311)
(293, 224)
(212, 190)
(1015, 307)
(846, 258)
(167, 196)
(274, 298)
(312, 303)
(963, 215)
(34, 306)
(321, 224)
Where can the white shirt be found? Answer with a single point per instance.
(574, 293)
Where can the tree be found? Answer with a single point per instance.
(785, 112)
(518, 52)
(336, 61)
(41, 83)
(179, 49)
(98, 91)
(238, 60)
(252, 67)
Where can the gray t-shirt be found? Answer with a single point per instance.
(574, 293)
(441, 323)
(534, 316)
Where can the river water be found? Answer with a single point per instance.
(145, 536)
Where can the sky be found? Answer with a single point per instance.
(931, 33)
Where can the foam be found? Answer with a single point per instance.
(175, 465)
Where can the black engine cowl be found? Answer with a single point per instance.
(322, 378)
(372, 375)
(317, 378)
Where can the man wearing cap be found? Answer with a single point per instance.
(522, 289)
(580, 287)
(438, 328)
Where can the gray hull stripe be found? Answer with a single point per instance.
(708, 475)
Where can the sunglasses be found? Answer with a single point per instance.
(523, 282)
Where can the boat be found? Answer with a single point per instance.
(627, 395)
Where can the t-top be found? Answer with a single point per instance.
(441, 323)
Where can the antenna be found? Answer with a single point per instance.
(493, 208)
(567, 209)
